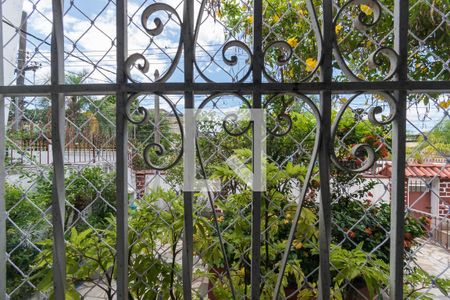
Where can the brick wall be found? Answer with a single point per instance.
(141, 180)
(444, 194)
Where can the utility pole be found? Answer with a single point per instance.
(22, 67)
(157, 112)
(20, 70)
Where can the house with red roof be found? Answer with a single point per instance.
(427, 186)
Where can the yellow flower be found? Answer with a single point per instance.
(291, 73)
(338, 28)
(297, 244)
(250, 19)
(275, 18)
(366, 9)
(444, 104)
(220, 219)
(292, 42)
(303, 12)
(286, 221)
(219, 14)
(311, 64)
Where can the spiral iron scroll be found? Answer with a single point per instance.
(358, 148)
(287, 50)
(140, 62)
(134, 59)
(306, 185)
(360, 23)
(143, 119)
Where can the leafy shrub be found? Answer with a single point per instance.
(360, 221)
(22, 210)
(91, 253)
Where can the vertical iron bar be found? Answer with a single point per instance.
(258, 61)
(188, 40)
(2, 172)
(58, 137)
(157, 115)
(401, 10)
(324, 153)
(122, 153)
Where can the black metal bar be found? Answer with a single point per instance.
(2, 173)
(258, 61)
(326, 73)
(188, 239)
(122, 153)
(401, 11)
(208, 88)
(58, 137)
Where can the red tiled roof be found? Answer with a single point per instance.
(420, 170)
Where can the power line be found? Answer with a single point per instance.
(48, 44)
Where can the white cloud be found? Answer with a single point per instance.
(95, 40)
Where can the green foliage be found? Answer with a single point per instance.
(439, 137)
(142, 135)
(359, 221)
(23, 210)
(418, 282)
(90, 254)
(90, 188)
(278, 211)
(290, 21)
(355, 264)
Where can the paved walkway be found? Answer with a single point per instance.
(435, 260)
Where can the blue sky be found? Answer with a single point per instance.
(94, 45)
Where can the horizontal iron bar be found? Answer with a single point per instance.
(207, 88)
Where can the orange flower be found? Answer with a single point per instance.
(407, 244)
(368, 231)
(351, 234)
(409, 236)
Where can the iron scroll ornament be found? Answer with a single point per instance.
(144, 118)
(282, 116)
(360, 23)
(134, 59)
(307, 181)
(358, 148)
(141, 63)
(285, 50)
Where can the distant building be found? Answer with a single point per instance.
(427, 186)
